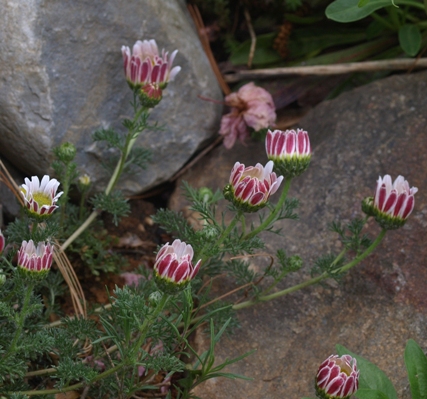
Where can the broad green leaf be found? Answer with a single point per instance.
(264, 52)
(371, 377)
(370, 394)
(410, 39)
(362, 3)
(349, 10)
(416, 365)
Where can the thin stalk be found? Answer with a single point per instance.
(223, 235)
(130, 141)
(383, 21)
(273, 214)
(22, 316)
(415, 4)
(148, 321)
(314, 280)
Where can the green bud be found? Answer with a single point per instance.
(66, 152)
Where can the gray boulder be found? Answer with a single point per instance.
(61, 78)
(374, 130)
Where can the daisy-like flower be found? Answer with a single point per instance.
(35, 261)
(290, 151)
(393, 202)
(40, 197)
(173, 269)
(251, 107)
(148, 71)
(250, 187)
(337, 377)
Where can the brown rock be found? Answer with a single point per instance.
(374, 130)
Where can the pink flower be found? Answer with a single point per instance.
(35, 260)
(394, 199)
(251, 107)
(250, 188)
(337, 377)
(2, 242)
(40, 197)
(173, 269)
(393, 202)
(289, 150)
(146, 66)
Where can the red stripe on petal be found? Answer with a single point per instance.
(409, 206)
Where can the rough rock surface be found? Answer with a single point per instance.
(61, 78)
(374, 130)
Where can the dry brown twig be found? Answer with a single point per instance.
(253, 37)
(336, 69)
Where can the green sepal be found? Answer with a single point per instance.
(240, 205)
(385, 221)
(32, 275)
(291, 166)
(169, 287)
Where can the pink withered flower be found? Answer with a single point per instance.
(290, 151)
(337, 377)
(173, 269)
(2, 242)
(393, 202)
(40, 197)
(148, 69)
(250, 187)
(251, 107)
(35, 261)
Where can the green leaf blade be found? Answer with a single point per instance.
(371, 378)
(410, 39)
(416, 365)
(350, 11)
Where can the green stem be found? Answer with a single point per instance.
(383, 21)
(273, 214)
(223, 235)
(130, 141)
(149, 320)
(314, 280)
(22, 316)
(415, 4)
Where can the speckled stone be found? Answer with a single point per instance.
(374, 130)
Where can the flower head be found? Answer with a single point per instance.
(393, 202)
(337, 377)
(250, 188)
(35, 261)
(251, 107)
(289, 150)
(173, 269)
(40, 197)
(147, 69)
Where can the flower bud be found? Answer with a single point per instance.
(289, 150)
(337, 377)
(40, 197)
(250, 188)
(145, 65)
(84, 180)
(33, 261)
(173, 269)
(66, 152)
(392, 204)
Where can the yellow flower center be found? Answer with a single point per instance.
(42, 199)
